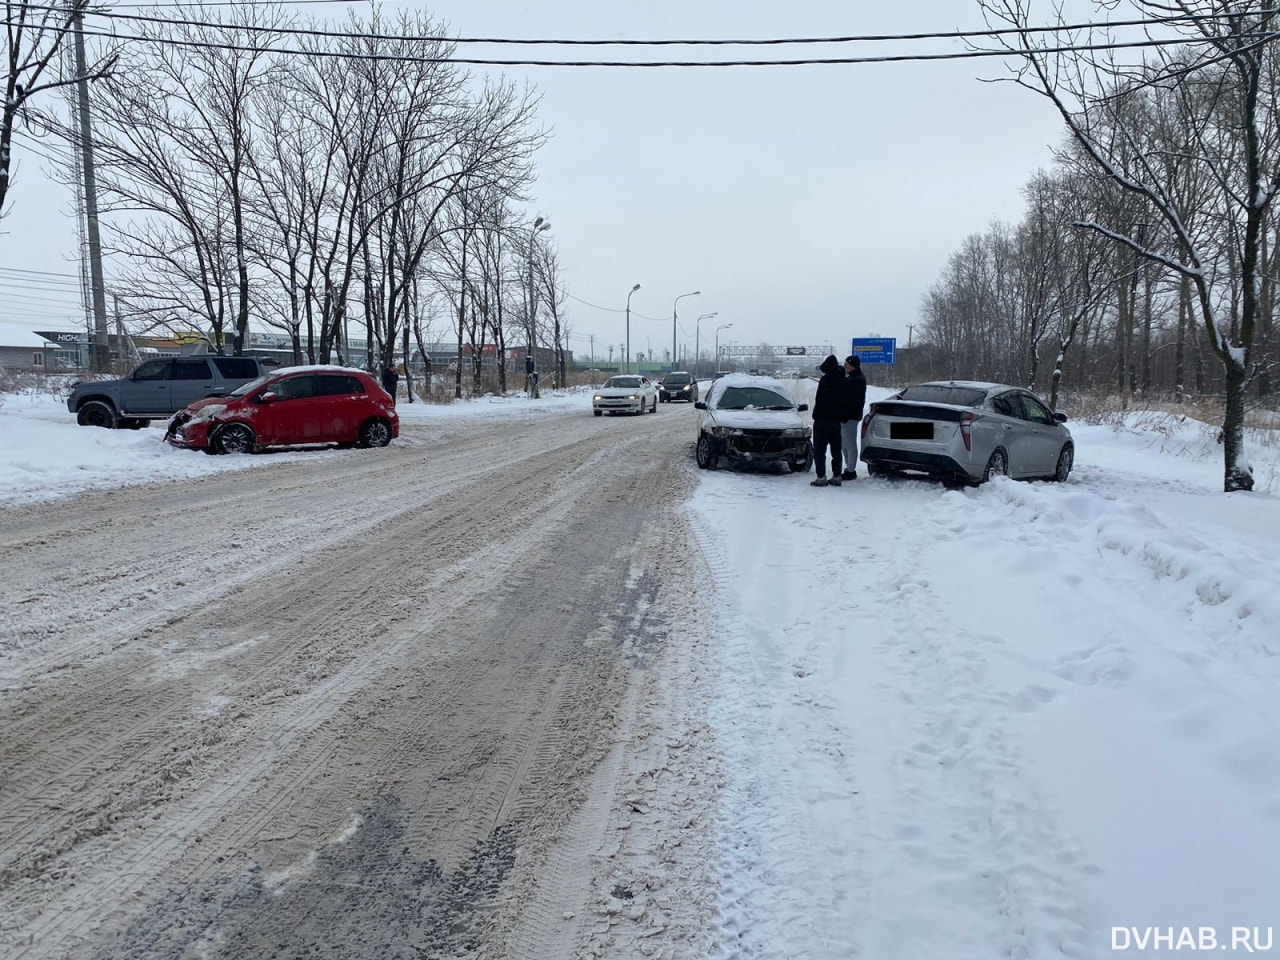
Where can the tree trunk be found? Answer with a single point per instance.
(1238, 475)
(1180, 344)
(408, 374)
(1147, 284)
(1122, 338)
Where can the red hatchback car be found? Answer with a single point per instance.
(290, 407)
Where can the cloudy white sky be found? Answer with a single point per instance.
(808, 204)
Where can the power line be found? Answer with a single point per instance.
(23, 272)
(595, 306)
(984, 33)
(642, 64)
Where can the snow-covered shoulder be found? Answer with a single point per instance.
(998, 721)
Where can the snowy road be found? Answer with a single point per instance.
(352, 703)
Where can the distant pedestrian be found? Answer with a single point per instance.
(828, 407)
(855, 398)
(390, 379)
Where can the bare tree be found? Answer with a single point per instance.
(552, 294)
(35, 36)
(177, 140)
(1224, 78)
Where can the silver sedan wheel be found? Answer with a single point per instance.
(997, 466)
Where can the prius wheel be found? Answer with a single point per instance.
(654, 408)
(997, 466)
(706, 454)
(234, 438)
(1065, 460)
(375, 433)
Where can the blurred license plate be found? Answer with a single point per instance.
(911, 430)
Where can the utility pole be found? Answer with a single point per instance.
(674, 351)
(531, 358)
(910, 330)
(591, 338)
(101, 356)
(628, 343)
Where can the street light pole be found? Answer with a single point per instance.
(531, 358)
(723, 326)
(697, 341)
(673, 324)
(633, 290)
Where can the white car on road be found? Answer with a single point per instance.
(626, 393)
(748, 419)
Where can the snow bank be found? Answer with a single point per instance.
(44, 454)
(492, 405)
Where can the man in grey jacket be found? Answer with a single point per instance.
(855, 383)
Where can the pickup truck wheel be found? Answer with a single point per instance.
(234, 438)
(97, 413)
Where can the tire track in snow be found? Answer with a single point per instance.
(310, 702)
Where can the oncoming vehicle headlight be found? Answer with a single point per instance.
(633, 397)
(687, 388)
(726, 431)
(596, 398)
(796, 432)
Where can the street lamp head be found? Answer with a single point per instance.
(635, 288)
(545, 226)
(537, 223)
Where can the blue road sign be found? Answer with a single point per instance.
(875, 349)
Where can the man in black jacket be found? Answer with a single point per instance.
(390, 378)
(855, 398)
(828, 409)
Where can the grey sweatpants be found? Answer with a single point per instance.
(849, 444)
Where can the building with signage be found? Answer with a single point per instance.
(73, 350)
(24, 349)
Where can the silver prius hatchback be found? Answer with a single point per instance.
(967, 432)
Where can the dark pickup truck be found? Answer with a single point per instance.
(158, 389)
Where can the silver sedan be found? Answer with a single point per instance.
(967, 432)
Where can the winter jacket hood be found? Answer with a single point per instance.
(828, 402)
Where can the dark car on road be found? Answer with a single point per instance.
(678, 385)
(158, 389)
